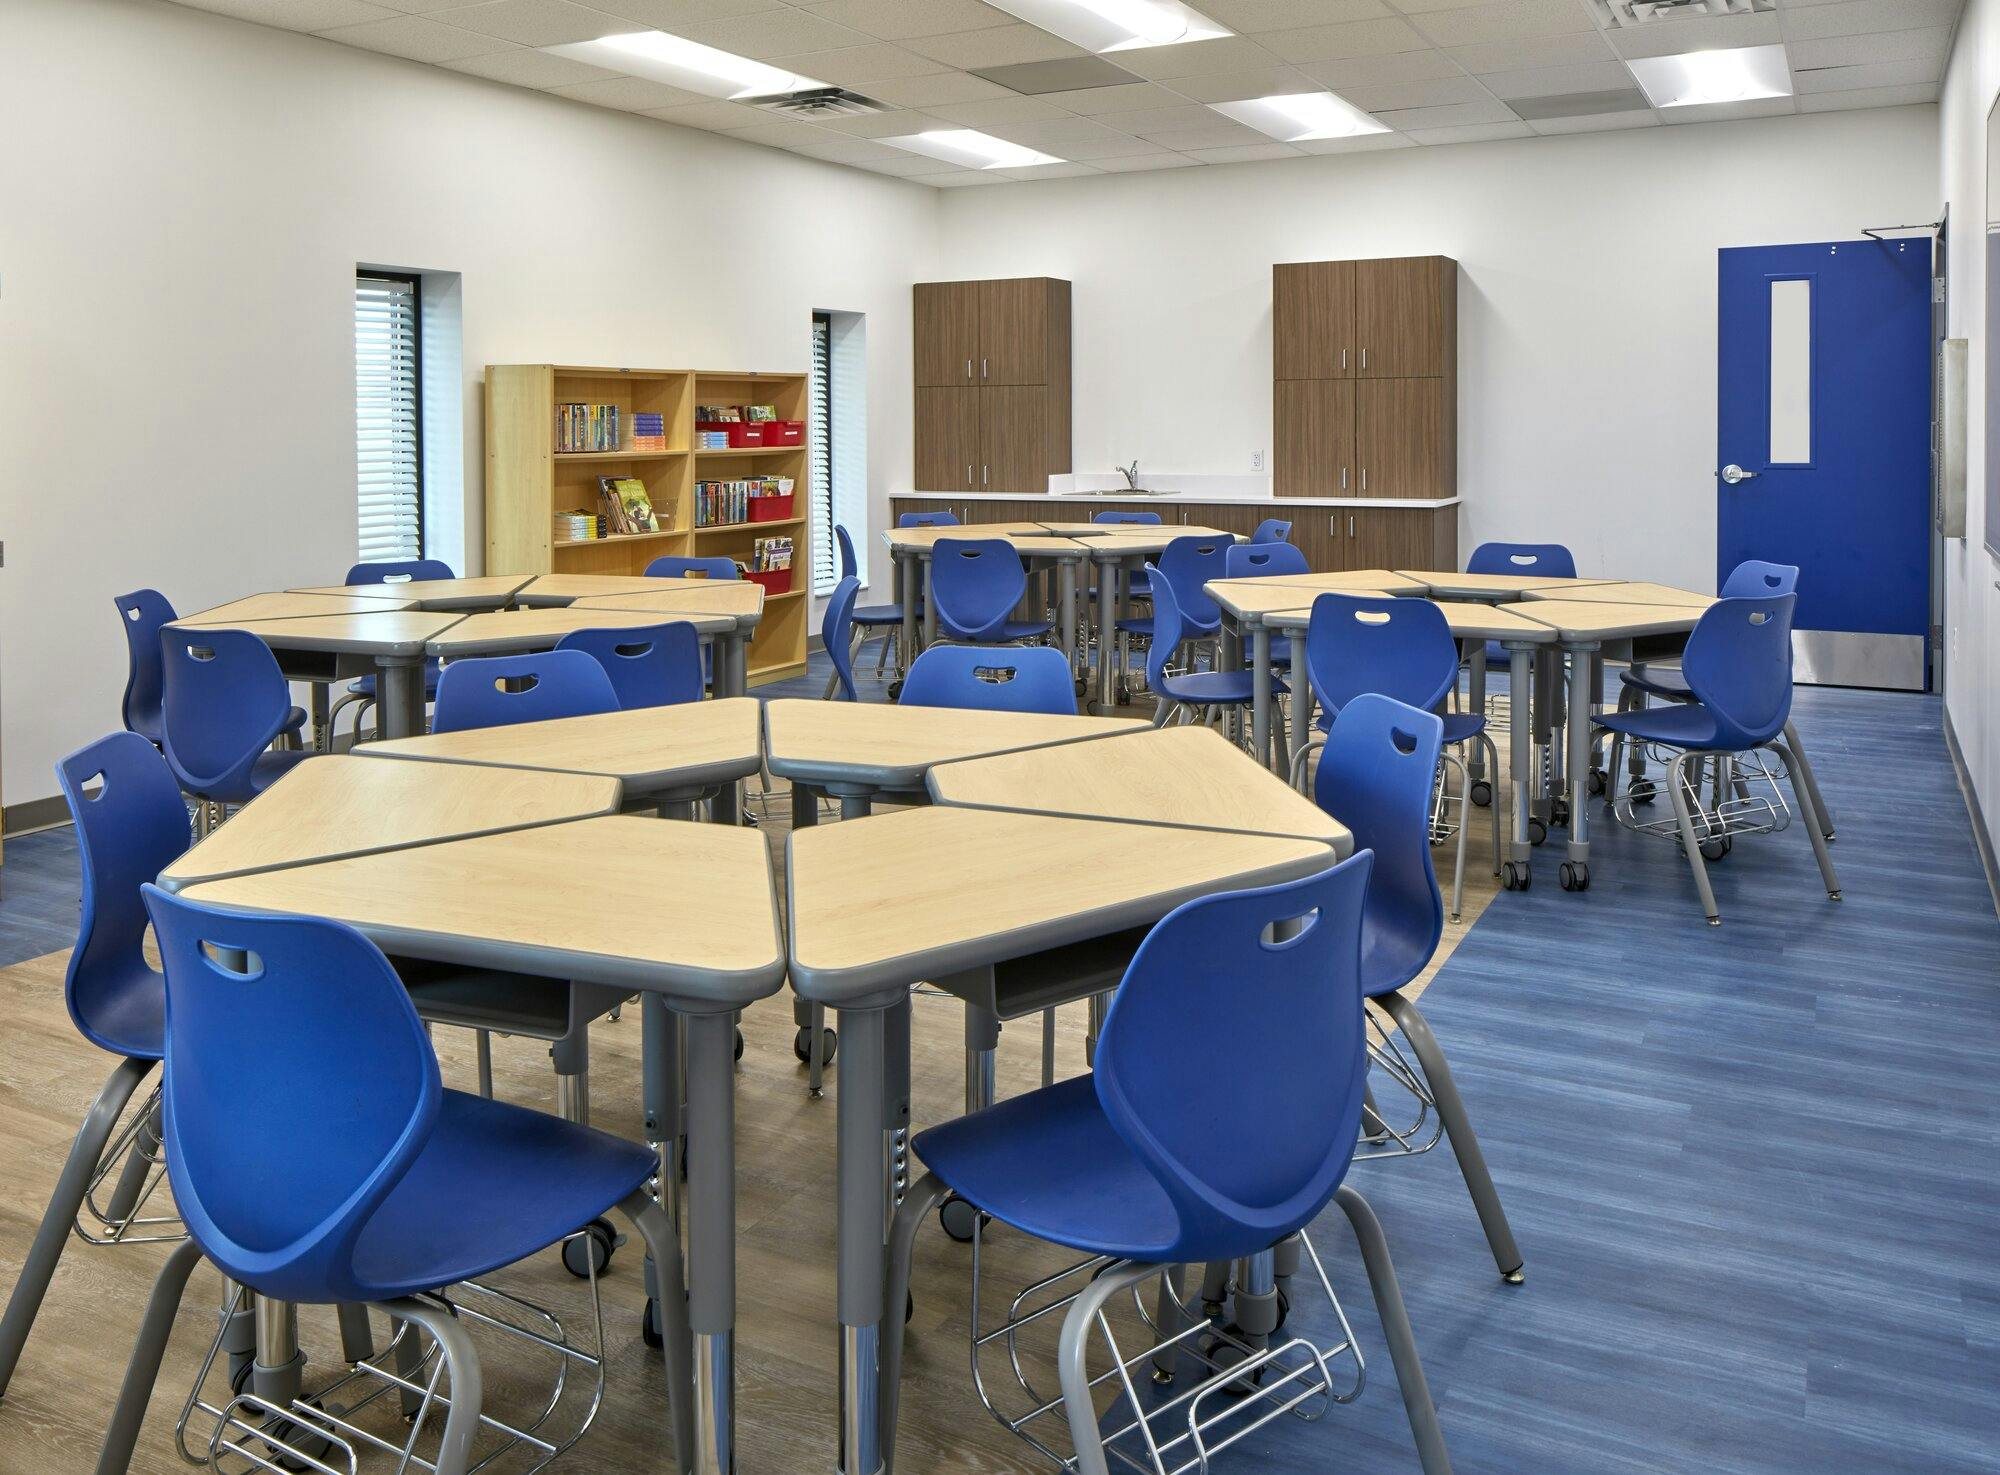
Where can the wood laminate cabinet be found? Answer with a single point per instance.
(992, 384)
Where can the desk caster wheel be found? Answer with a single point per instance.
(1516, 875)
(1717, 848)
(1642, 791)
(909, 1308)
(1482, 794)
(959, 1219)
(896, 690)
(589, 1253)
(1596, 782)
(829, 1045)
(649, 1326)
(739, 1044)
(1223, 1355)
(1558, 816)
(1538, 830)
(1575, 875)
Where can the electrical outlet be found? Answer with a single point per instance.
(1256, 460)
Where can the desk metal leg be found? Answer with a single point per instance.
(276, 1374)
(1582, 698)
(1521, 710)
(930, 601)
(1302, 701)
(322, 721)
(711, 1234)
(1476, 703)
(1107, 615)
(399, 696)
(1260, 692)
(906, 595)
(863, 1221)
(1066, 582)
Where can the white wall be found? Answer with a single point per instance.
(186, 198)
(1972, 602)
(1586, 301)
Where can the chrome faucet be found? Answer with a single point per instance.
(1131, 475)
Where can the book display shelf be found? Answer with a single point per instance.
(531, 481)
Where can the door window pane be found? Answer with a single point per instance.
(1791, 372)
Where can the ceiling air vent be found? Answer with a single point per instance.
(1649, 12)
(818, 102)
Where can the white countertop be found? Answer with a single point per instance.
(1087, 499)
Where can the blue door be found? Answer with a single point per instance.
(1823, 431)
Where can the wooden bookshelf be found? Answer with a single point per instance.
(528, 481)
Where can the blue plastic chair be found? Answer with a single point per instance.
(1272, 530)
(1751, 579)
(1193, 690)
(673, 566)
(131, 823)
(1376, 777)
(871, 621)
(1361, 644)
(145, 612)
(975, 585)
(1190, 562)
(836, 635)
(1155, 1166)
(225, 702)
(1264, 561)
(927, 520)
(1128, 519)
(493, 691)
(649, 665)
(361, 693)
(1030, 679)
(418, 1189)
(1738, 666)
(1551, 560)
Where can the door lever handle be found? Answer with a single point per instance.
(1732, 473)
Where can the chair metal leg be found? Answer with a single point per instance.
(663, 1245)
(1048, 1047)
(1493, 808)
(121, 1434)
(1815, 820)
(1464, 824)
(461, 1366)
(482, 1046)
(1072, 1360)
(916, 1207)
(1802, 773)
(1396, 1331)
(1458, 1127)
(1690, 842)
(85, 1153)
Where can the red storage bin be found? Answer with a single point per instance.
(784, 432)
(771, 509)
(777, 581)
(741, 432)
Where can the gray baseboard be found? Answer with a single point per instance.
(34, 814)
(1982, 837)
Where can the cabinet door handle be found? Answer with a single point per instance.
(1364, 358)
(1364, 478)
(982, 475)
(968, 368)
(982, 368)
(1350, 526)
(968, 473)
(1343, 359)
(1343, 478)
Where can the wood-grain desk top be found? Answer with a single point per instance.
(1029, 539)
(402, 632)
(293, 606)
(1249, 599)
(740, 599)
(1444, 584)
(336, 805)
(1626, 593)
(879, 903)
(876, 745)
(1466, 621)
(662, 905)
(539, 629)
(1186, 776)
(652, 749)
(1130, 542)
(1348, 581)
(484, 591)
(1578, 619)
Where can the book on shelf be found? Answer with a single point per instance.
(718, 413)
(721, 503)
(649, 431)
(627, 505)
(578, 525)
(760, 414)
(769, 555)
(582, 427)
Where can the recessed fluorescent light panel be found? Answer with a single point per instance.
(1738, 74)
(686, 64)
(1293, 117)
(971, 149)
(1116, 25)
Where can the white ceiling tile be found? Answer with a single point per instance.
(899, 20)
(1858, 17)
(1451, 115)
(1869, 97)
(533, 22)
(897, 124)
(298, 15)
(1366, 143)
(964, 179)
(1370, 71)
(774, 33)
(1265, 81)
(924, 92)
(860, 66)
(901, 165)
(1382, 37)
(1072, 138)
(995, 46)
(1598, 122)
(1068, 169)
(1248, 17)
(1220, 134)
(1191, 58)
(1155, 120)
(1590, 76)
(1248, 153)
(1514, 20)
(1887, 46)
(712, 117)
(1125, 98)
(850, 151)
(407, 7)
(416, 38)
(628, 94)
(1429, 93)
(1701, 33)
(782, 132)
(998, 110)
(677, 15)
(1728, 112)
(1872, 74)
(1424, 7)
(1472, 133)
(525, 67)
(1531, 51)
(1145, 163)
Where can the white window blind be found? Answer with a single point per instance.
(819, 437)
(388, 419)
